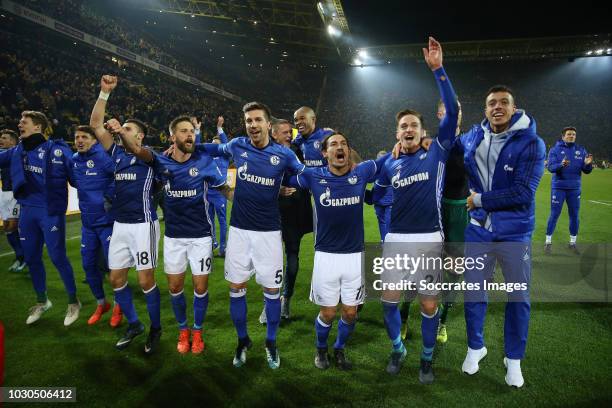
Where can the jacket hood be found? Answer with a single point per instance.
(520, 121)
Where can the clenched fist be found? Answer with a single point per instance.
(108, 83)
(113, 126)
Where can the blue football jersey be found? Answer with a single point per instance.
(339, 206)
(134, 182)
(94, 174)
(185, 188)
(311, 147)
(259, 173)
(34, 162)
(417, 180)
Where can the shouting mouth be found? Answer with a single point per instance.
(341, 156)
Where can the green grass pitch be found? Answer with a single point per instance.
(569, 353)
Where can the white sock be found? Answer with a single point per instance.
(572, 239)
(549, 239)
(513, 364)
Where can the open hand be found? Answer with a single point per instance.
(433, 54)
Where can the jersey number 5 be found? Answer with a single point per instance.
(279, 277)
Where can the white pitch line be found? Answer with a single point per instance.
(599, 202)
(12, 253)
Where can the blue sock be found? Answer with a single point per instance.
(344, 331)
(13, 240)
(322, 330)
(153, 299)
(429, 330)
(200, 305)
(238, 311)
(273, 309)
(123, 297)
(179, 306)
(393, 323)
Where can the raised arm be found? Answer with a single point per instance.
(220, 132)
(448, 126)
(198, 129)
(130, 143)
(96, 121)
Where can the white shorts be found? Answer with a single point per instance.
(134, 245)
(428, 247)
(254, 252)
(179, 252)
(9, 208)
(337, 278)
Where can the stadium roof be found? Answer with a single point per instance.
(320, 33)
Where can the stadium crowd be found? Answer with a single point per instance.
(80, 15)
(51, 81)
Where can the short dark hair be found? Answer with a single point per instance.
(567, 128)
(326, 140)
(500, 88)
(87, 129)
(38, 118)
(12, 134)
(257, 106)
(399, 115)
(177, 120)
(140, 124)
